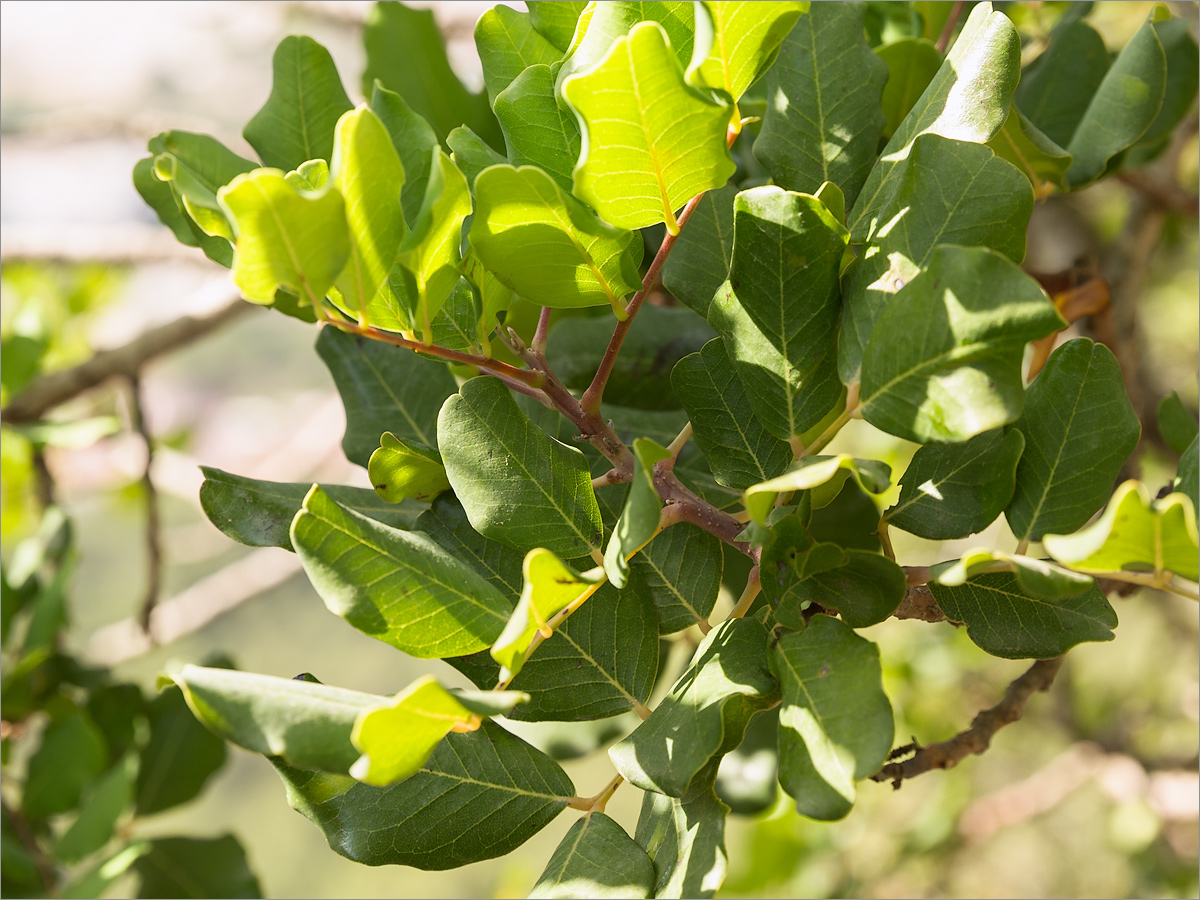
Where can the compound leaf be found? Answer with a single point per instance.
(1079, 429)
(651, 142)
(307, 98)
(823, 117)
(958, 372)
(835, 723)
(397, 586)
(596, 859)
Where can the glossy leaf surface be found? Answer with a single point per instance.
(744, 42)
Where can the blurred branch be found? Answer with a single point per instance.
(154, 556)
(51, 390)
(977, 738)
(1169, 196)
(29, 841)
(113, 243)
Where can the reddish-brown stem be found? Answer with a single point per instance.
(944, 38)
(542, 332)
(492, 366)
(681, 505)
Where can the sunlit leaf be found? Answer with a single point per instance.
(640, 517)
(744, 40)
(399, 470)
(508, 44)
(596, 859)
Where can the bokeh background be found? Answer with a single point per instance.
(1095, 793)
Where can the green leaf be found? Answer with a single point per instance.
(1036, 577)
(640, 517)
(686, 838)
(954, 490)
(405, 52)
(286, 239)
(446, 522)
(383, 388)
(108, 798)
(743, 40)
(912, 63)
(471, 153)
(179, 758)
(479, 796)
(1042, 161)
(1136, 533)
(1057, 86)
(508, 44)
(195, 867)
(369, 175)
(164, 198)
(96, 880)
(297, 122)
(1006, 621)
(967, 100)
(778, 312)
(600, 662)
(71, 755)
(398, 736)
(960, 373)
(597, 859)
(864, 589)
(1124, 106)
(550, 587)
(397, 586)
(682, 568)
(413, 139)
(740, 451)
(556, 20)
(1176, 423)
(1183, 75)
(547, 246)
(304, 723)
(748, 777)
(641, 375)
(310, 176)
(197, 166)
(651, 143)
(431, 250)
(699, 262)
(538, 130)
(949, 192)
(259, 513)
(835, 724)
(516, 484)
(1187, 479)
(823, 117)
(399, 470)
(711, 703)
(1079, 429)
(605, 23)
(813, 472)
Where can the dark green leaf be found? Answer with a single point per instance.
(103, 804)
(596, 859)
(1056, 88)
(682, 568)
(405, 52)
(1176, 423)
(446, 522)
(748, 778)
(508, 44)
(912, 63)
(1038, 578)
(738, 449)
(686, 839)
(115, 709)
(967, 100)
(95, 881)
(307, 98)
(538, 130)
(1005, 620)
(779, 313)
(641, 375)
(1079, 429)
(948, 192)
(179, 758)
(197, 166)
(164, 199)
(823, 116)
(953, 490)
(516, 484)
(1183, 75)
(259, 513)
(383, 388)
(600, 662)
(864, 590)
(555, 20)
(479, 796)
(1187, 478)
(835, 724)
(699, 262)
(71, 755)
(712, 703)
(196, 867)
(397, 586)
(850, 520)
(414, 140)
(960, 373)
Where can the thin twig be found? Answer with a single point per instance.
(977, 738)
(543, 331)
(1168, 196)
(50, 391)
(154, 556)
(943, 40)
